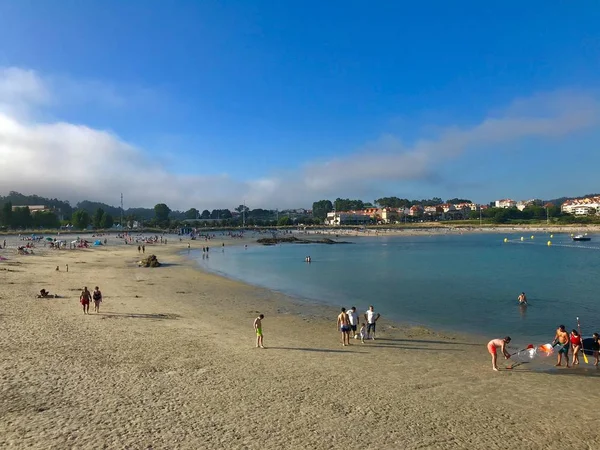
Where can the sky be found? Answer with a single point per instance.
(278, 104)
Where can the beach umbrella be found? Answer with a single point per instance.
(49, 239)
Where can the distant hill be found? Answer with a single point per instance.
(561, 200)
(18, 199)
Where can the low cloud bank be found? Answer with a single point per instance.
(76, 162)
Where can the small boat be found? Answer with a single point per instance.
(581, 237)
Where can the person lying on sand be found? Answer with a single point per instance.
(45, 294)
(492, 347)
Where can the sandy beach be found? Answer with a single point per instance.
(170, 363)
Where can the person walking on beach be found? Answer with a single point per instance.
(596, 347)
(343, 324)
(562, 339)
(522, 299)
(84, 299)
(575, 346)
(371, 317)
(353, 320)
(97, 296)
(492, 347)
(258, 330)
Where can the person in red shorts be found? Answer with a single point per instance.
(84, 299)
(492, 347)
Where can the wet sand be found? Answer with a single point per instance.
(170, 363)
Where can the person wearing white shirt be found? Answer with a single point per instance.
(371, 317)
(353, 318)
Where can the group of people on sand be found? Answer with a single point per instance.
(573, 342)
(86, 297)
(347, 322)
(562, 339)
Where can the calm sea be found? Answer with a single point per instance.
(466, 283)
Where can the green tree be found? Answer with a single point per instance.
(21, 217)
(81, 219)
(6, 217)
(161, 212)
(107, 221)
(221, 214)
(501, 215)
(192, 213)
(97, 218)
(242, 208)
(45, 219)
(321, 208)
(205, 214)
(284, 221)
(393, 202)
(345, 204)
(454, 201)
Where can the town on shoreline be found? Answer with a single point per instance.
(38, 213)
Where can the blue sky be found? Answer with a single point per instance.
(284, 103)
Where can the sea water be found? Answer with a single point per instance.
(466, 283)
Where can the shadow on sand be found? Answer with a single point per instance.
(405, 347)
(591, 372)
(111, 315)
(320, 350)
(423, 341)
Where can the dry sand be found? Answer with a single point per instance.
(170, 363)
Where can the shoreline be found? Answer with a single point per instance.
(170, 363)
(325, 311)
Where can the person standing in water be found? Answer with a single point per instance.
(562, 339)
(522, 299)
(493, 346)
(258, 330)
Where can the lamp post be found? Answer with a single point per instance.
(244, 215)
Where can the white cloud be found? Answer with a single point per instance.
(21, 90)
(76, 162)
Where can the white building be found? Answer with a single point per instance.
(506, 203)
(581, 206)
(337, 218)
(521, 205)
